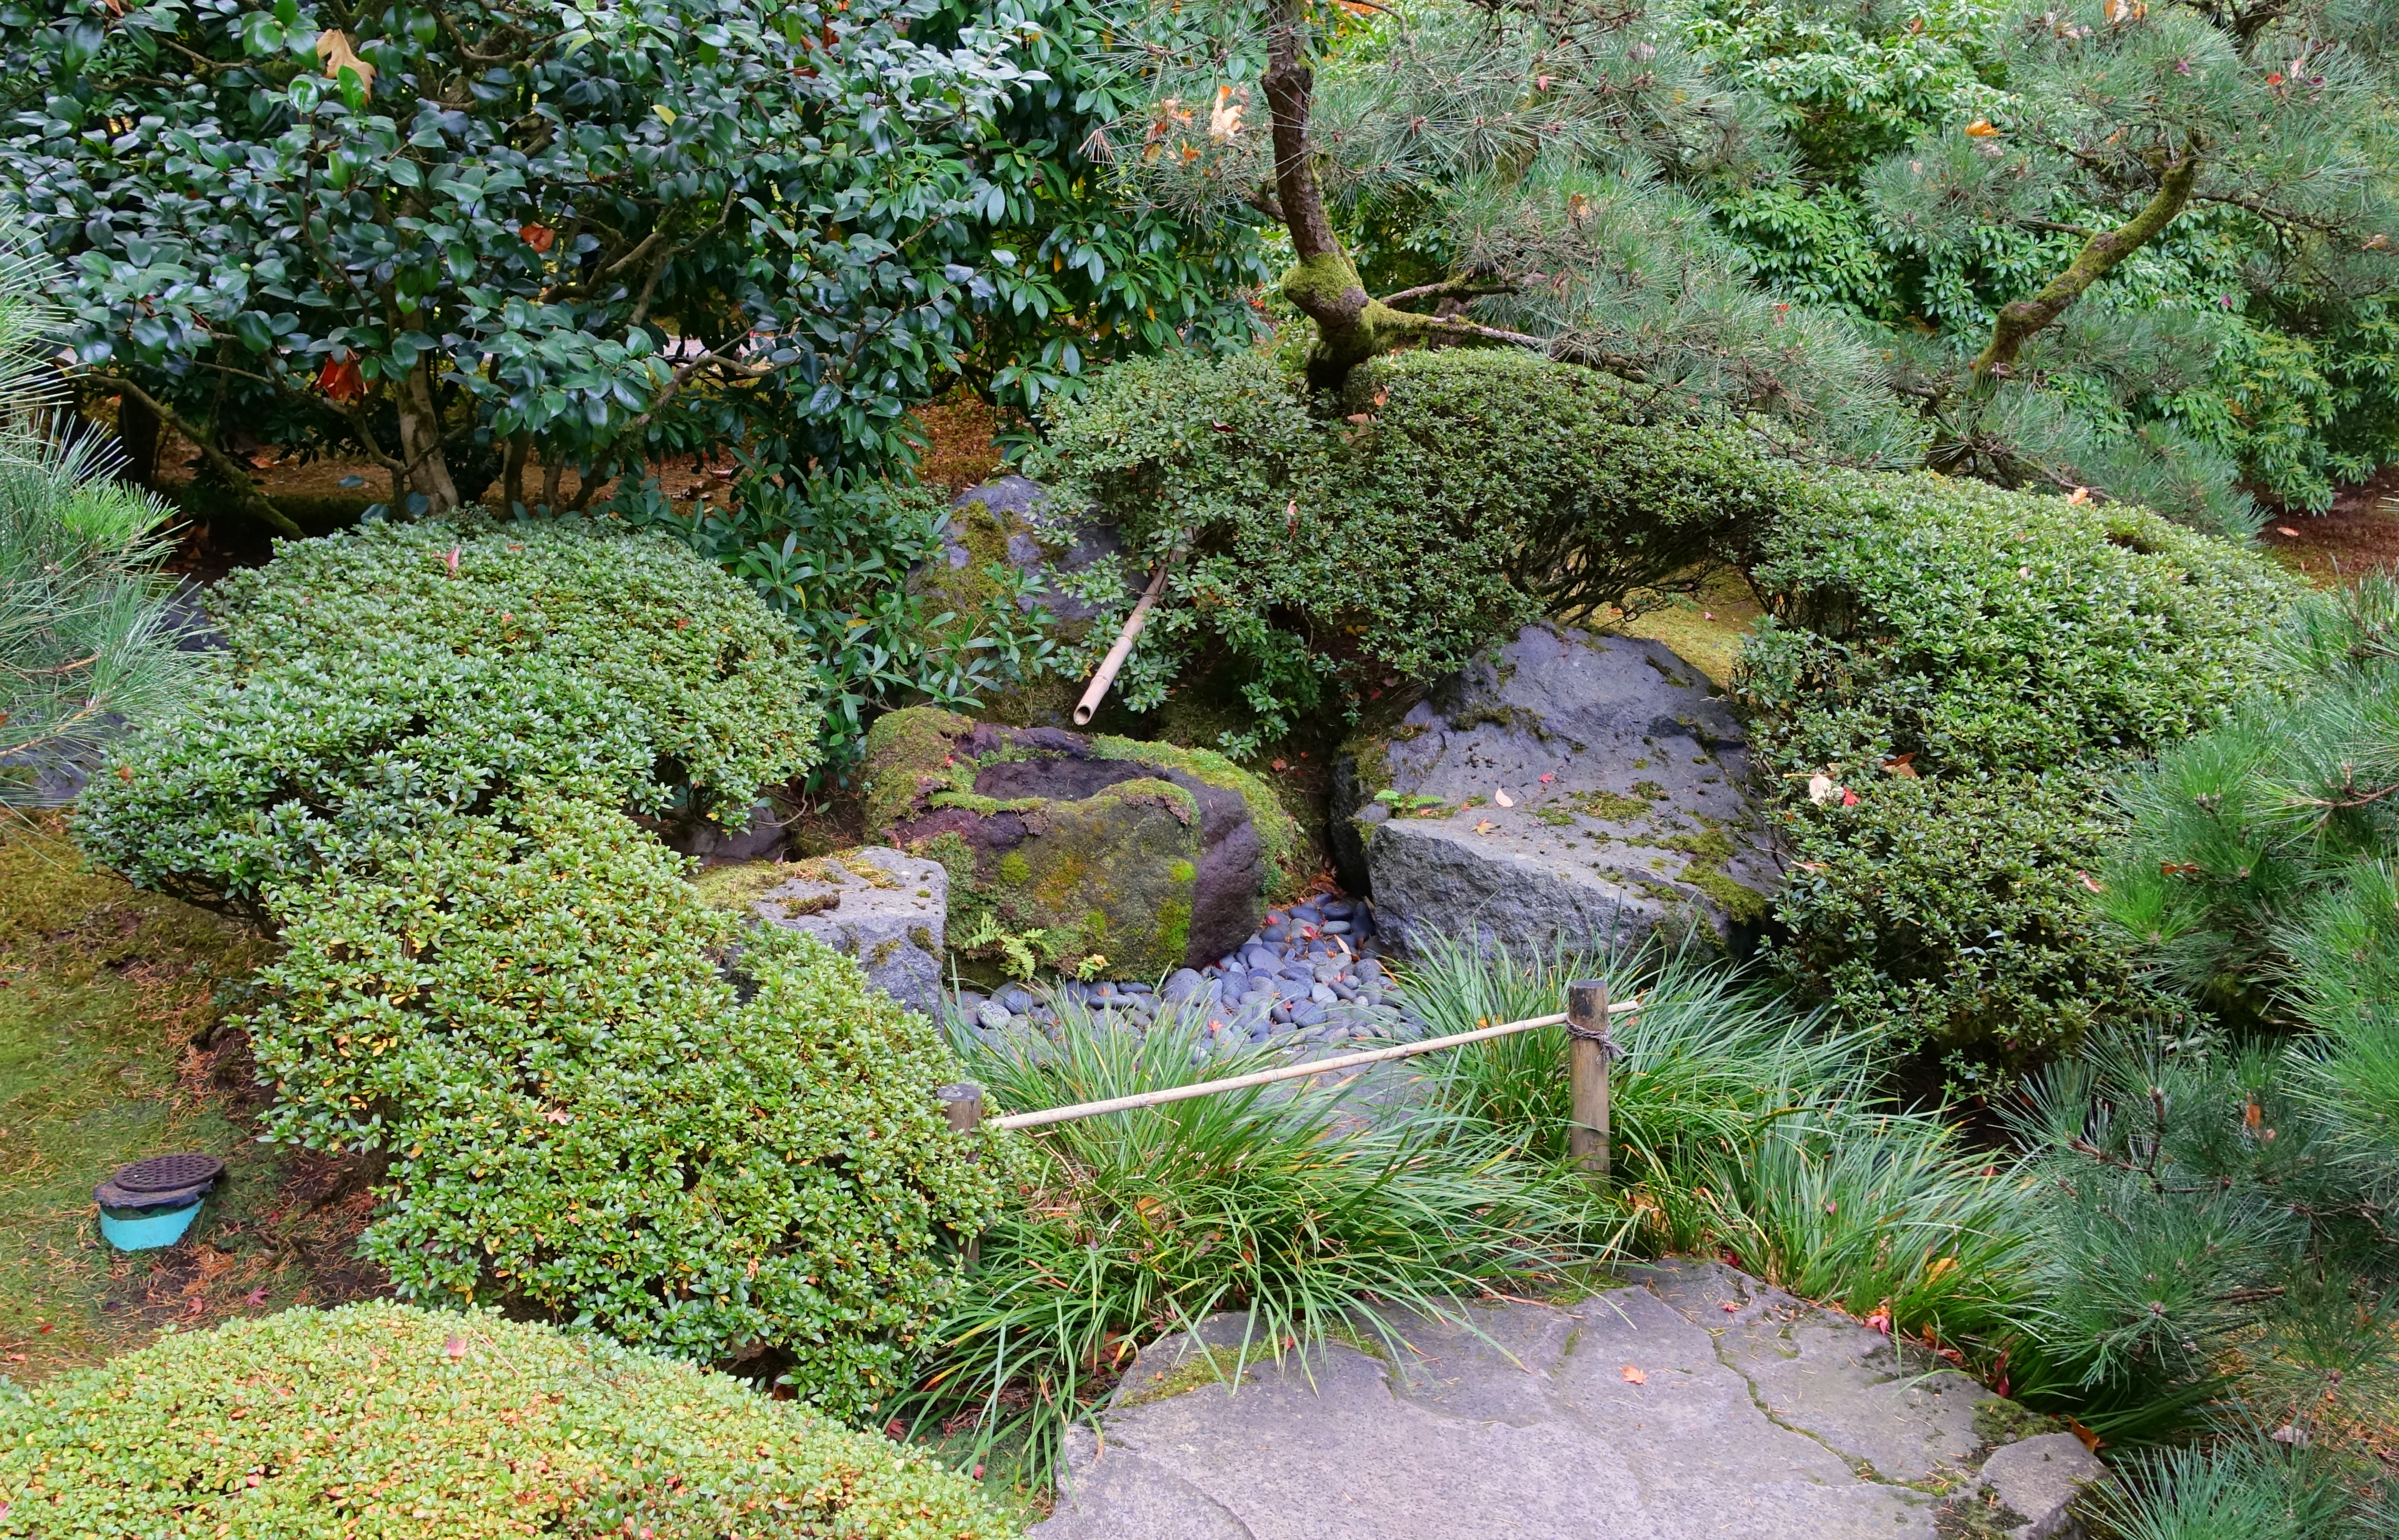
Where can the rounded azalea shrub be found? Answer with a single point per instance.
(383, 1421)
(1968, 670)
(396, 673)
(604, 1101)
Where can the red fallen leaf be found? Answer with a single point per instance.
(1551, 777)
(2090, 1441)
(1849, 798)
(1291, 518)
(539, 236)
(895, 1429)
(451, 560)
(1634, 1375)
(255, 1298)
(1881, 1319)
(342, 381)
(2094, 884)
(455, 1347)
(2178, 869)
(1222, 427)
(1730, 1307)
(977, 1473)
(1280, 765)
(554, 1115)
(196, 1307)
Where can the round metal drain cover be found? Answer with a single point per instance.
(161, 1181)
(168, 1173)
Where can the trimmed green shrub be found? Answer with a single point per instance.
(1467, 493)
(1947, 676)
(1981, 629)
(379, 1420)
(398, 673)
(604, 1101)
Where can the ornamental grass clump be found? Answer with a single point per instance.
(604, 1101)
(1743, 1127)
(389, 677)
(1132, 1225)
(397, 1424)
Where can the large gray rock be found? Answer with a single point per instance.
(1643, 822)
(875, 904)
(1657, 1410)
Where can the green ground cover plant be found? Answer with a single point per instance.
(1132, 1225)
(397, 674)
(385, 1421)
(605, 1101)
(1948, 678)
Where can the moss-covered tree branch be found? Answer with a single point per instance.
(236, 478)
(2020, 321)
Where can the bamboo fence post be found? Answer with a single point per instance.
(962, 1105)
(1587, 1055)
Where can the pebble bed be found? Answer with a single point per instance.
(1304, 980)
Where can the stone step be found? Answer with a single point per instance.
(1693, 1401)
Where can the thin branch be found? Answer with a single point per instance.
(1460, 289)
(236, 479)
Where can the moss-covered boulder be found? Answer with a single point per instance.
(1060, 845)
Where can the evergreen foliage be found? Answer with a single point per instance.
(386, 678)
(1467, 493)
(1946, 679)
(2261, 873)
(1821, 211)
(382, 1420)
(87, 639)
(458, 239)
(604, 1101)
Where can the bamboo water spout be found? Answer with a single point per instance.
(1107, 675)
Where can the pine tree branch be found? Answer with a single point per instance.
(1458, 289)
(2019, 320)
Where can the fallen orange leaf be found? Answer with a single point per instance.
(1635, 1376)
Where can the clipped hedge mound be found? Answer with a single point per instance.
(1971, 667)
(605, 1101)
(396, 673)
(382, 1421)
(1465, 494)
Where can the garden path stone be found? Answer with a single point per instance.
(1643, 822)
(1772, 1420)
(2038, 1479)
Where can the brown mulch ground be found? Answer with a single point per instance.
(2360, 533)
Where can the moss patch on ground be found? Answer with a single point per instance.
(1705, 629)
(113, 1048)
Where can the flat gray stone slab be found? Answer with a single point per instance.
(1650, 1411)
(2039, 1479)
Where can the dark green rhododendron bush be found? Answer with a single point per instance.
(382, 1420)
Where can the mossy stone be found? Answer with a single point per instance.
(1155, 856)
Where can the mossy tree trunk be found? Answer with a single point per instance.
(1351, 326)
